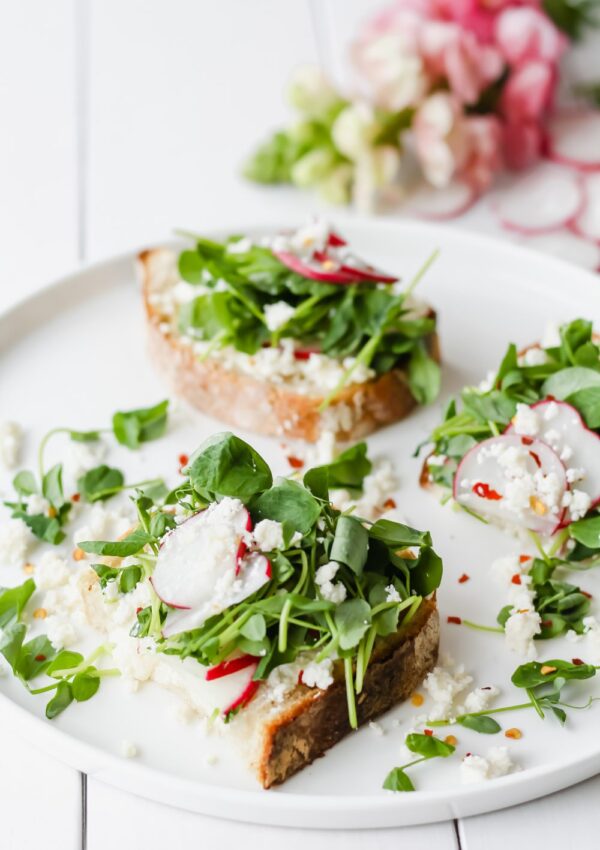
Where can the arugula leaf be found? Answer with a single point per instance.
(428, 746)
(586, 531)
(35, 657)
(587, 402)
(287, 501)
(129, 545)
(100, 483)
(85, 685)
(224, 465)
(350, 544)
(568, 382)
(398, 536)
(426, 574)
(347, 471)
(134, 427)
(44, 527)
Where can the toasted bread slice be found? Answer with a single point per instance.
(289, 736)
(251, 403)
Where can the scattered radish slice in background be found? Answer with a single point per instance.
(574, 139)
(587, 223)
(567, 246)
(488, 481)
(440, 204)
(545, 199)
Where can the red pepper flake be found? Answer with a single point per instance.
(524, 558)
(536, 458)
(76, 497)
(183, 462)
(40, 657)
(300, 677)
(550, 398)
(464, 577)
(577, 662)
(456, 620)
(546, 624)
(295, 462)
(484, 491)
(137, 610)
(486, 688)
(516, 579)
(428, 732)
(389, 504)
(527, 441)
(467, 755)
(586, 594)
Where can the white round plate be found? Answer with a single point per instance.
(75, 353)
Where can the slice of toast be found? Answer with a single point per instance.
(255, 404)
(289, 736)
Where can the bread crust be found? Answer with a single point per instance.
(312, 721)
(256, 405)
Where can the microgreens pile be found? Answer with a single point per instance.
(355, 312)
(287, 615)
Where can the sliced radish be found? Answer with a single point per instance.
(230, 666)
(562, 427)
(587, 223)
(568, 246)
(440, 204)
(513, 479)
(243, 546)
(574, 139)
(228, 589)
(326, 271)
(304, 353)
(334, 240)
(244, 698)
(545, 199)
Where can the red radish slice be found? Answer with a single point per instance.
(314, 270)
(232, 665)
(545, 199)
(568, 246)
(587, 223)
(441, 204)
(254, 573)
(574, 139)
(368, 273)
(335, 240)
(562, 427)
(243, 547)
(304, 353)
(199, 553)
(244, 698)
(514, 480)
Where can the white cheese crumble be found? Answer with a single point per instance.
(331, 591)
(526, 421)
(376, 728)
(286, 677)
(534, 356)
(81, 457)
(11, 441)
(51, 572)
(378, 486)
(36, 504)
(392, 594)
(15, 541)
(278, 314)
(443, 685)
(267, 535)
(476, 768)
(317, 674)
(524, 622)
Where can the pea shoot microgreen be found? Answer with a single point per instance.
(427, 747)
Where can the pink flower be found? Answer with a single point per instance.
(455, 54)
(472, 15)
(528, 92)
(484, 159)
(440, 139)
(522, 143)
(525, 34)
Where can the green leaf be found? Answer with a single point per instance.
(530, 675)
(255, 628)
(428, 746)
(65, 660)
(24, 483)
(573, 17)
(288, 501)
(224, 465)
(35, 657)
(52, 488)
(587, 532)
(85, 685)
(133, 427)
(105, 573)
(13, 601)
(100, 483)
(480, 723)
(11, 643)
(191, 266)
(398, 780)
(493, 406)
(43, 527)
(130, 545)
(395, 535)
(84, 436)
(350, 544)
(587, 402)
(352, 619)
(62, 699)
(569, 381)
(130, 577)
(426, 575)
(347, 471)
(424, 376)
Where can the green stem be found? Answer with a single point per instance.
(350, 693)
(538, 545)
(471, 625)
(283, 625)
(448, 722)
(422, 272)
(364, 356)
(561, 538)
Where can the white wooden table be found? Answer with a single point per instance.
(120, 119)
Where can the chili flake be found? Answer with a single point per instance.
(513, 733)
(516, 579)
(40, 614)
(464, 577)
(450, 739)
(484, 491)
(428, 732)
(78, 554)
(28, 569)
(577, 662)
(524, 558)
(456, 620)
(295, 462)
(389, 504)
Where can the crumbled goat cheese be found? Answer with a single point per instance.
(103, 524)
(524, 622)
(479, 699)
(278, 314)
(551, 337)
(212, 760)
(377, 728)
(284, 678)
(526, 421)
(392, 594)
(443, 686)
(11, 440)
(267, 535)
(332, 592)
(60, 631)
(36, 504)
(520, 630)
(81, 457)
(487, 383)
(589, 640)
(578, 502)
(51, 572)
(436, 460)
(378, 486)
(476, 768)
(15, 541)
(128, 749)
(240, 246)
(317, 674)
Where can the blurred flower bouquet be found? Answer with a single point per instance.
(451, 91)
